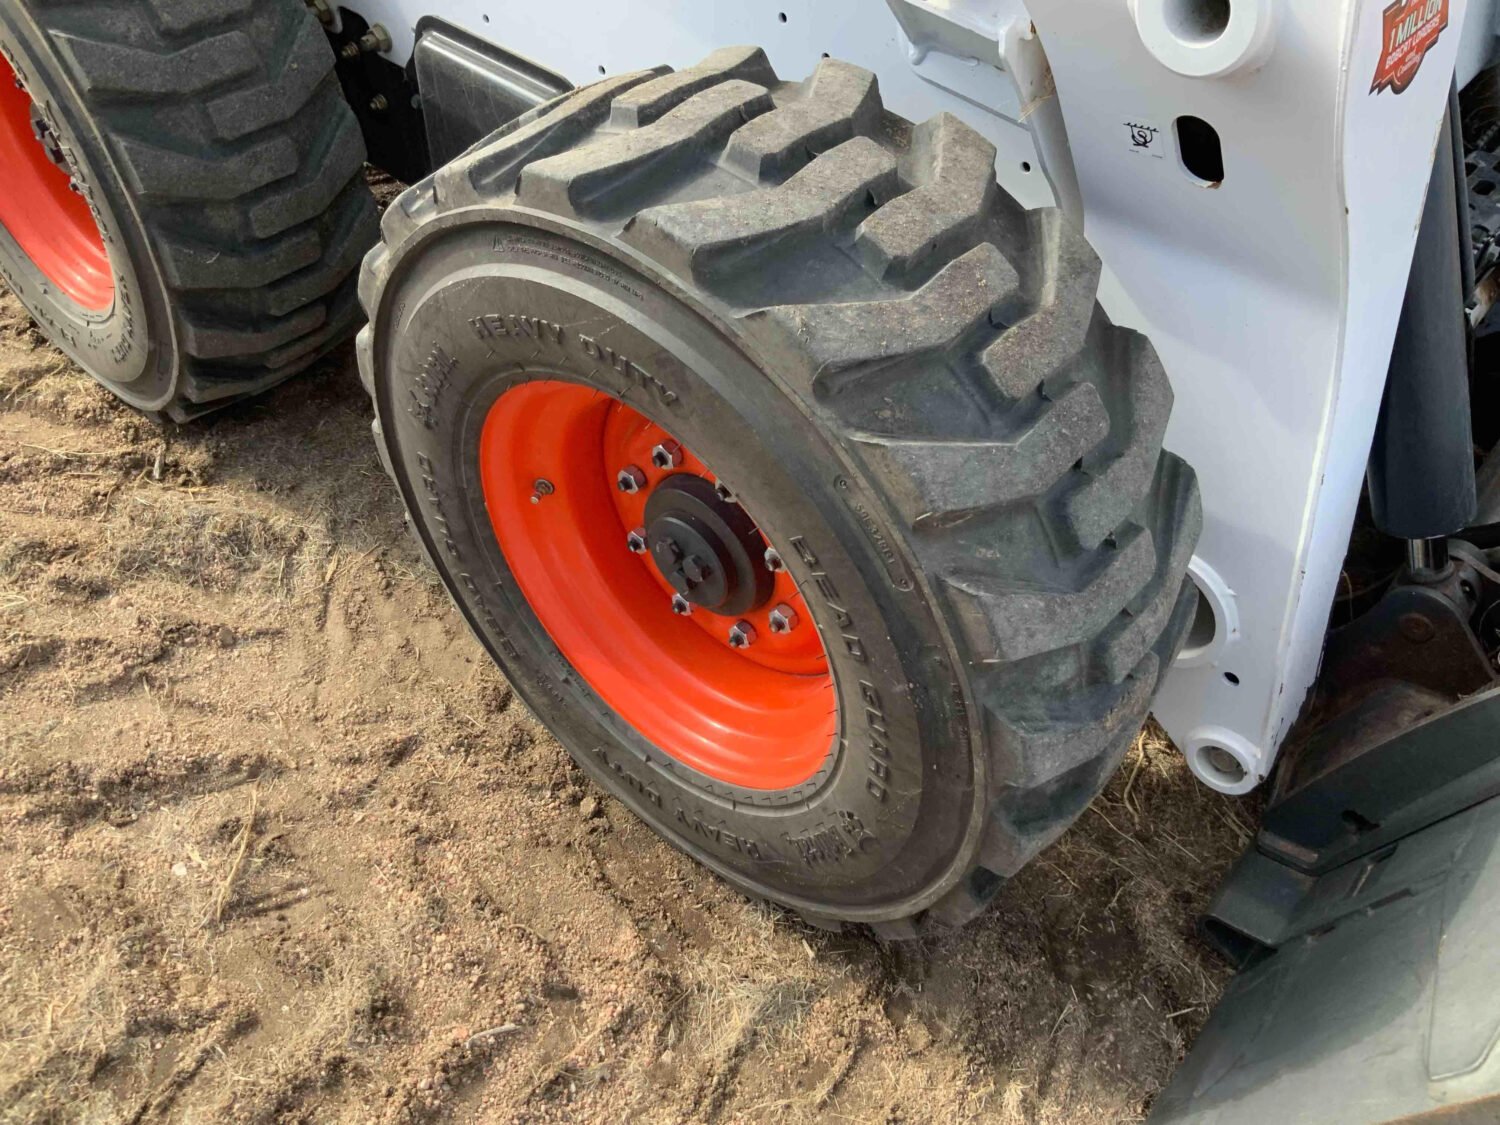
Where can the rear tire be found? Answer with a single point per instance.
(907, 381)
(224, 172)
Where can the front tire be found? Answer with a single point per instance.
(903, 381)
(221, 209)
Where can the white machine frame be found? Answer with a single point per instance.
(1272, 295)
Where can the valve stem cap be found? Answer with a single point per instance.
(741, 634)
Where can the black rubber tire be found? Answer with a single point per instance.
(899, 370)
(226, 173)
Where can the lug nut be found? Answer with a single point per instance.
(741, 634)
(723, 492)
(636, 541)
(783, 619)
(631, 479)
(667, 455)
(681, 606)
(774, 562)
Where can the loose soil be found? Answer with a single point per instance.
(277, 843)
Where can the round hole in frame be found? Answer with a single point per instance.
(1205, 626)
(1197, 22)
(1221, 764)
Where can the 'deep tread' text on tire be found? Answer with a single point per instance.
(897, 371)
(224, 173)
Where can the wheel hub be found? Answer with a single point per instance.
(658, 586)
(707, 549)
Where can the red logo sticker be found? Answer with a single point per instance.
(1412, 28)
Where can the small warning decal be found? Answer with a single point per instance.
(1143, 139)
(1412, 28)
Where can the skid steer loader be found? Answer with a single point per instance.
(843, 440)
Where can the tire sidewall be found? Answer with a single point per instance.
(887, 825)
(128, 347)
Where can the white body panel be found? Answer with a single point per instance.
(1272, 297)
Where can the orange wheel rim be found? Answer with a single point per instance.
(51, 222)
(762, 715)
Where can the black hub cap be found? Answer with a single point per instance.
(706, 548)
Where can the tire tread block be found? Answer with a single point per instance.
(118, 70)
(326, 172)
(1004, 621)
(1142, 621)
(955, 169)
(644, 103)
(162, 174)
(344, 248)
(1050, 339)
(216, 341)
(1043, 738)
(1115, 480)
(492, 166)
(287, 87)
(937, 479)
(839, 102)
(706, 237)
(180, 17)
(584, 181)
(830, 339)
(199, 266)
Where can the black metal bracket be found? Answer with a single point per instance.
(1390, 742)
(385, 101)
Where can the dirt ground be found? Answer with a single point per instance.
(276, 842)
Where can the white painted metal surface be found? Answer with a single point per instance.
(1273, 301)
(1272, 296)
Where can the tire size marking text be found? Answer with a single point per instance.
(435, 502)
(644, 789)
(519, 326)
(721, 835)
(852, 644)
(833, 843)
(879, 760)
(428, 385)
(894, 567)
